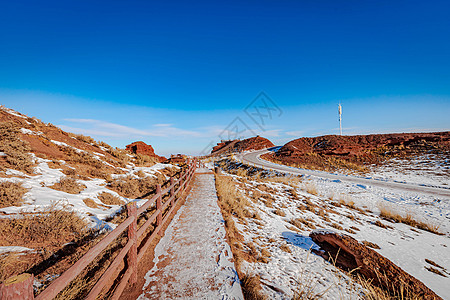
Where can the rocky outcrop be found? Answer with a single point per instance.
(350, 255)
(330, 152)
(359, 145)
(142, 148)
(253, 143)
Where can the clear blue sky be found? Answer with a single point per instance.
(175, 74)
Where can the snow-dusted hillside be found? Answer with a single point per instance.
(289, 208)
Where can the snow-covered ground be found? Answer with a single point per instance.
(406, 246)
(430, 169)
(193, 260)
(40, 195)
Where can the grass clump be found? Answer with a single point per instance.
(16, 150)
(11, 194)
(232, 201)
(311, 188)
(51, 227)
(110, 199)
(279, 212)
(389, 214)
(370, 244)
(68, 185)
(251, 287)
(82, 157)
(142, 160)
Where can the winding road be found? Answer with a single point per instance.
(254, 158)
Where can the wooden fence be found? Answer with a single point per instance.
(23, 289)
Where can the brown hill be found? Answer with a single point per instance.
(21, 135)
(142, 148)
(332, 151)
(253, 143)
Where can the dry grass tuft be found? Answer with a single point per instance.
(85, 139)
(299, 221)
(15, 149)
(311, 188)
(292, 181)
(68, 185)
(11, 194)
(372, 292)
(90, 203)
(51, 227)
(82, 157)
(435, 271)
(336, 226)
(131, 187)
(268, 200)
(285, 248)
(110, 199)
(370, 244)
(388, 213)
(142, 160)
(232, 201)
(251, 287)
(279, 212)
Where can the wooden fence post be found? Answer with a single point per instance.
(132, 237)
(172, 191)
(158, 208)
(17, 287)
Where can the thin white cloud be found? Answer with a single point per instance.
(296, 133)
(108, 129)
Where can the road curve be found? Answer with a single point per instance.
(254, 158)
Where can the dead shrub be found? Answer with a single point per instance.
(68, 185)
(82, 157)
(131, 187)
(143, 160)
(121, 155)
(98, 173)
(85, 138)
(15, 149)
(11, 194)
(109, 199)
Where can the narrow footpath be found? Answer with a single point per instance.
(193, 260)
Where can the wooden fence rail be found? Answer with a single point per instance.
(129, 252)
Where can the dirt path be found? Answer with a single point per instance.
(193, 260)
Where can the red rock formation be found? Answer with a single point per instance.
(142, 148)
(349, 255)
(359, 149)
(253, 143)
